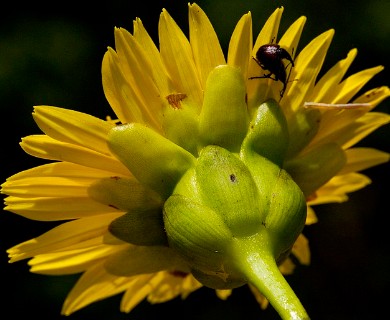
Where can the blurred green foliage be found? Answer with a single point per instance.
(53, 56)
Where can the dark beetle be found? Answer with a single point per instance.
(270, 57)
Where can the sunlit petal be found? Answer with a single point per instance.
(53, 209)
(137, 290)
(160, 75)
(182, 68)
(64, 235)
(71, 261)
(324, 89)
(46, 148)
(138, 71)
(308, 64)
(204, 43)
(338, 187)
(73, 127)
(359, 159)
(95, 284)
(121, 96)
(240, 45)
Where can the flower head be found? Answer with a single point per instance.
(211, 160)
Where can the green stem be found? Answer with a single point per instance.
(255, 260)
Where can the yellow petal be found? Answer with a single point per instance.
(204, 43)
(160, 75)
(348, 126)
(290, 38)
(189, 284)
(287, 267)
(60, 179)
(62, 169)
(362, 128)
(95, 284)
(137, 290)
(332, 122)
(374, 96)
(311, 217)
(289, 42)
(44, 147)
(303, 123)
(240, 45)
(269, 31)
(139, 70)
(359, 159)
(177, 56)
(168, 287)
(63, 236)
(261, 300)
(307, 66)
(73, 127)
(301, 250)
(53, 209)
(324, 90)
(223, 294)
(350, 86)
(47, 187)
(337, 188)
(123, 100)
(71, 261)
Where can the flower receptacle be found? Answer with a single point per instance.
(232, 219)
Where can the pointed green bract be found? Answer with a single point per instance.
(154, 160)
(267, 126)
(144, 259)
(224, 117)
(187, 219)
(142, 228)
(181, 125)
(124, 194)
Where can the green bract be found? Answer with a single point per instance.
(230, 210)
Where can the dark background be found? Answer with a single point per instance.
(52, 55)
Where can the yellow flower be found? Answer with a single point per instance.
(111, 180)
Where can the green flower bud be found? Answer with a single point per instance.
(231, 213)
(234, 217)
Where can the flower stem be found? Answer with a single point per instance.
(255, 260)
